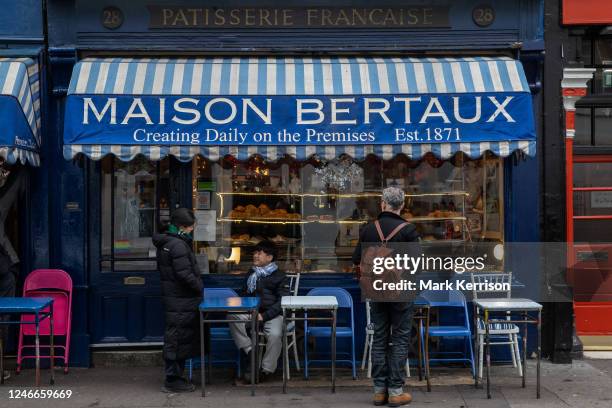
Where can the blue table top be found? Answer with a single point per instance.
(229, 304)
(23, 304)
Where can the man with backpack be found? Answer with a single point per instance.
(392, 320)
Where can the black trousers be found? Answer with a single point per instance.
(174, 369)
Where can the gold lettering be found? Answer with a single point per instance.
(167, 14)
(311, 14)
(194, 16)
(180, 16)
(343, 18)
(219, 17)
(276, 11)
(412, 17)
(390, 18)
(361, 15)
(264, 15)
(371, 16)
(249, 17)
(205, 17)
(287, 17)
(326, 15)
(234, 17)
(427, 15)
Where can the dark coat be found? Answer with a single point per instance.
(181, 294)
(270, 290)
(388, 221)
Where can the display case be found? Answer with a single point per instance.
(314, 216)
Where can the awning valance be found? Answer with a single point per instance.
(19, 110)
(298, 107)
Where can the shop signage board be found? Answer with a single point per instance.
(297, 17)
(298, 120)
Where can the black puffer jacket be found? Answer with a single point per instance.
(270, 290)
(388, 222)
(182, 293)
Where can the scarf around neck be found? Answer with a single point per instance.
(259, 272)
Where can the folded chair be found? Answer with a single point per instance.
(294, 286)
(345, 301)
(500, 334)
(217, 334)
(56, 284)
(453, 301)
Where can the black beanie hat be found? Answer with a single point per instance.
(183, 217)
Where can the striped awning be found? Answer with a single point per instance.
(294, 76)
(19, 110)
(272, 153)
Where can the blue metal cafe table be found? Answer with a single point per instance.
(526, 308)
(305, 303)
(29, 306)
(230, 305)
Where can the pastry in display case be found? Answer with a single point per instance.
(314, 217)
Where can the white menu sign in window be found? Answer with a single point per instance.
(206, 225)
(601, 199)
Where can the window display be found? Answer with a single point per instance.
(135, 202)
(314, 209)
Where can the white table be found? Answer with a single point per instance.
(512, 305)
(291, 304)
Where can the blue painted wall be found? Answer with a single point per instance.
(21, 20)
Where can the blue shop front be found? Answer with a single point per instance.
(270, 141)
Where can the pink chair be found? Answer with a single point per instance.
(56, 284)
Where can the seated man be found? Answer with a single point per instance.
(266, 281)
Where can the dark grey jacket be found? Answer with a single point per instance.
(270, 290)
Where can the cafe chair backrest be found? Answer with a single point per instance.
(294, 283)
(495, 278)
(55, 279)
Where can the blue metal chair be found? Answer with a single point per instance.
(345, 301)
(218, 334)
(451, 299)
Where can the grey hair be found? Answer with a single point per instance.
(393, 197)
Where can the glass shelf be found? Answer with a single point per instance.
(341, 195)
(282, 221)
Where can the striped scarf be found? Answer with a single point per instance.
(259, 272)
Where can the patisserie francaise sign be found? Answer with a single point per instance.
(298, 120)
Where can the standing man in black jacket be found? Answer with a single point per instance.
(267, 282)
(392, 320)
(182, 293)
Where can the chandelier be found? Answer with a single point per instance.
(338, 174)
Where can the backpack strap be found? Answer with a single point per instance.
(392, 234)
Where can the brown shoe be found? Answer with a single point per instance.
(380, 398)
(397, 400)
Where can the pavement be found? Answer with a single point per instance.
(584, 384)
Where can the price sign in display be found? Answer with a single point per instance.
(483, 15)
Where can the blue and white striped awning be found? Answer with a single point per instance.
(19, 110)
(297, 76)
(186, 153)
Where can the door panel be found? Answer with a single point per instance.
(592, 251)
(131, 201)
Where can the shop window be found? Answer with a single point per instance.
(603, 126)
(135, 205)
(583, 127)
(313, 209)
(592, 189)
